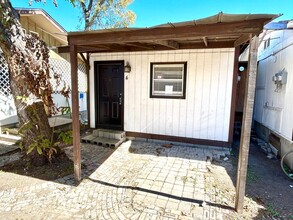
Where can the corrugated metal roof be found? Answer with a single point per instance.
(218, 31)
(218, 18)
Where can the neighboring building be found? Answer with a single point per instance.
(38, 22)
(273, 110)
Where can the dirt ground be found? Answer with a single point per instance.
(269, 191)
(268, 185)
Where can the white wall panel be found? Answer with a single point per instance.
(203, 114)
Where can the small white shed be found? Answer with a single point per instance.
(174, 82)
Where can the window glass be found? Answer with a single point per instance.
(167, 80)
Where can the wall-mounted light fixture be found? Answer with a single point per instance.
(127, 68)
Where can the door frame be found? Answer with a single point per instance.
(97, 95)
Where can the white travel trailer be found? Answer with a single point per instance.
(273, 110)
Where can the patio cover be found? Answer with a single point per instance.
(218, 31)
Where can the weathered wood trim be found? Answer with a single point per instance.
(241, 40)
(205, 40)
(83, 58)
(156, 47)
(211, 44)
(171, 44)
(178, 139)
(246, 125)
(75, 114)
(233, 96)
(163, 33)
(142, 46)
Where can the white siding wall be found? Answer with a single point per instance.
(204, 114)
(274, 108)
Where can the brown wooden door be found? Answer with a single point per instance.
(109, 84)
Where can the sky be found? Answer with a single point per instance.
(154, 12)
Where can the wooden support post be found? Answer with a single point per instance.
(246, 125)
(75, 113)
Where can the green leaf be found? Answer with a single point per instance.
(30, 148)
(20, 145)
(39, 149)
(56, 143)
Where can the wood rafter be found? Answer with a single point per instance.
(140, 45)
(205, 40)
(211, 44)
(168, 43)
(241, 40)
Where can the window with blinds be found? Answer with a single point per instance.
(168, 80)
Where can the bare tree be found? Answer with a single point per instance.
(105, 13)
(28, 61)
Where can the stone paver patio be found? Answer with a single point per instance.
(139, 180)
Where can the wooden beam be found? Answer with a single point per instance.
(63, 49)
(168, 43)
(140, 45)
(167, 33)
(234, 93)
(205, 40)
(241, 40)
(193, 45)
(75, 114)
(246, 125)
(83, 58)
(83, 49)
(212, 44)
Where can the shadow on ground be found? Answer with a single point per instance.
(61, 171)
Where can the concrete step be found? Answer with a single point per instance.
(105, 137)
(59, 123)
(9, 139)
(88, 139)
(106, 142)
(110, 134)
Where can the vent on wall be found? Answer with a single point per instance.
(280, 78)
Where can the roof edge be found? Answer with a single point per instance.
(32, 11)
